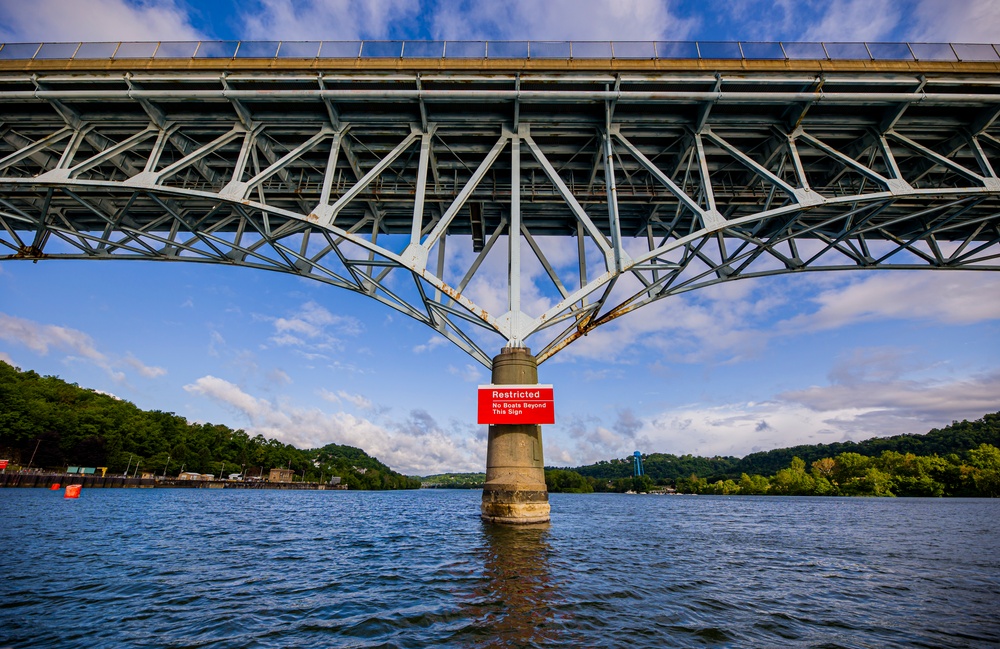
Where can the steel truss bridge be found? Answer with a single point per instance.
(503, 200)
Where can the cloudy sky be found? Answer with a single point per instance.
(747, 366)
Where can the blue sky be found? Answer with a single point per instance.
(829, 20)
(751, 365)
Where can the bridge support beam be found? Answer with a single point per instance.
(515, 493)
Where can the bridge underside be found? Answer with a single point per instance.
(623, 187)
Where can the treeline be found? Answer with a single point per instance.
(664, 468)
(569, 481)
(974, 473)
(659, 467)
(49, 424)
(454, 481)
(958, 437)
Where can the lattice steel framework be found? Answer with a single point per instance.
(403, 180)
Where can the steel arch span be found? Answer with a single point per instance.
(507, 201)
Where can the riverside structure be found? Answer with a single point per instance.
(396, 169)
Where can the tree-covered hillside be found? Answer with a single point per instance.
(659, 466)
(358, 469)
(973, 473)
(454, 481)
(959, 437)
(50, 423)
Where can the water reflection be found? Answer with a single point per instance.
(518, 598)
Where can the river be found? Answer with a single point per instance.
(231, 568)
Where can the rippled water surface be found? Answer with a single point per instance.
(233, 568)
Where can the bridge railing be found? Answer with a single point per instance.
(552, 50)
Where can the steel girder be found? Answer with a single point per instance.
(622, 188)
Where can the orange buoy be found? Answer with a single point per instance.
(73, 490)
(55, 486)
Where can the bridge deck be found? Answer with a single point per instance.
(652, 167)
(657, 104)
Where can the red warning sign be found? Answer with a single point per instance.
(516, 404)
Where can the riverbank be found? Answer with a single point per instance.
(46, 480)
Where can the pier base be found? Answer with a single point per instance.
(515, 492)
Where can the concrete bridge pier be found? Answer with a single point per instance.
(515, 493)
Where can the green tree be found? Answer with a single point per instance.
(691, 485)
(721, 488)
(755, 485)
(793, 481)
(561, 480)
(986, 462)
(849, 469)
(642, 484)
(912, 475)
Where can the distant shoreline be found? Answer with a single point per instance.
(46, 480)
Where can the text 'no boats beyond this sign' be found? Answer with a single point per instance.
(516, 404)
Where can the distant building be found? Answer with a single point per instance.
(281, 475)
(335, 480)
(191, 475)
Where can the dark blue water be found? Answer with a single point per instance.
(208, 568)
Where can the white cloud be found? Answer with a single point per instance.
(327, 395)
(855, 20)
(358, 401)
(558, 20)
(5, 357)
(603, 374)
(43, 338)
(722, 323)
(230, 394)
(349, 368)
(146, 370)
(950, 298)
(287, 340)
(40, 338)
(215, 341)
(469, 373)
(432, 343)
(279, 377)
(967, 21)
(918, 399)
(418, 445)
(590, 440)
(735, 321)
(879, 399)
(872, 364)
(313, 328)
(329, 20)
(95, 20)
